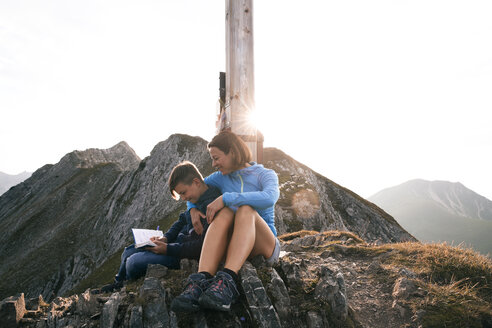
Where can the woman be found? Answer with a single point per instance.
(241, 225)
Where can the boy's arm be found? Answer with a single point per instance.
(190, 249)
(173, 232)
(264, 198)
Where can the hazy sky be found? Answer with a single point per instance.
(368, 93)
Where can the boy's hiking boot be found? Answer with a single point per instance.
(116, 285)
(221, 293)
(187, 301)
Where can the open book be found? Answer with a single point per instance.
(142, 236)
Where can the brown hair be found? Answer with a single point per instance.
(184, 173)
(227, 141)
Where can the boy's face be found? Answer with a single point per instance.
(190, 192)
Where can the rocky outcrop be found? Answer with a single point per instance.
(145, 303)
(65, 226)
(324, 279)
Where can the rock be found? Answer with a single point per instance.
(35, 303)
(12, 310)
(87, 304)
(407, 273)
(189, 265)
(375, 266)
(403, 288)
(331, 289)
(110, 311)
(156, 271)
(305, 241)
(136, 320)
(155, 314)
(257, 299)
(279, 295)
(291, 271)
(314, 320)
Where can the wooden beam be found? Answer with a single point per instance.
(240, 86)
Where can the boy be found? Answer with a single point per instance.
(181, 240)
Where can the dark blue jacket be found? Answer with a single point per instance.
(183, 241)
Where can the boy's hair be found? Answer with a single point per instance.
(227, 141)
(183, 173)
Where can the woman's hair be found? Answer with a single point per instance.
(183, 173)
(227, 141)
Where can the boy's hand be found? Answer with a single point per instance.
(163, 239)
(161, 247)
(213, 208)
(195, 220)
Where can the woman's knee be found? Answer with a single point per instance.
(224, 217)
(246, 215)
(245, 210)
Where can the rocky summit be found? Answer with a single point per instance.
(323, 279)
(64, 228)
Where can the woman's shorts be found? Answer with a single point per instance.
(276, 253)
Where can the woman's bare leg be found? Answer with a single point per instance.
(251, 236)
(216, 240)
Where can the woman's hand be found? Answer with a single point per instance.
(213, 208)
(195, 220)
(160, 248)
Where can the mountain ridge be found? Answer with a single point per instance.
(437, 211)
(452, 196)
(75, 215)
(9, 180)
(345, 261)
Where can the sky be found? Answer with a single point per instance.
(370, 94)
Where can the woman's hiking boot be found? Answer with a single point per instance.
(187, 301)
(221, 293)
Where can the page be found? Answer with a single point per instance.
(142, 236)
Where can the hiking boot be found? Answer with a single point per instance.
(187, 301)
(116, 285)
(221, 293)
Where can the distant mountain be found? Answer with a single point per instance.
(440, 211)
(66, 225)
(7, 180)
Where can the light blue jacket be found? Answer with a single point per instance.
(255, 186)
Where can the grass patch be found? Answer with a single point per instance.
(297, 234)
(444, 264)
(102, 275)
(457, 282)
(453, 305)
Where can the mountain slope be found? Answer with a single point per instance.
(7, 180)
(440, 211)
(67, 224)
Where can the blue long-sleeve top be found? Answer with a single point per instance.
(254, 185)
(183, 241)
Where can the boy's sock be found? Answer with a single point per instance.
(232, 274)
(207, 274)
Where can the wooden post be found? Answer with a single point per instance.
(240, 86)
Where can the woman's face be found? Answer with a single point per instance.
(222, 162)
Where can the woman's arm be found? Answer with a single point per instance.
(264, 198)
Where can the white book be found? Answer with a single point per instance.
(142, 236)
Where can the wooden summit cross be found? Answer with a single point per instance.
(238, 101)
